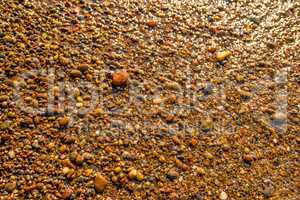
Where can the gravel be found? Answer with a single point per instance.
(149, 99)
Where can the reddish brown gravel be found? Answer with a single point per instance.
(115, 99)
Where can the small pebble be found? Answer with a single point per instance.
(11, 154)
(132, 174)
(117, 170)
(66, 170)
(223, 195)
(79, 159)
(64, 121)
(151, 23)
(9, 187)
(64, 61)
(172, 85)
(207, 124)
(220, 56)
(67, 193)
(139, 176)
(100, 183)
(268, 191)
(3, 98)
(120, 78)
(279, 118)
(172, 174)
(193, 142)
(200, 170)
(83, 68)
(248, 158)
(245, 94)
(74, 73)
(208, 155)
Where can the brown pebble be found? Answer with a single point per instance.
(248, 158)
(268, 191)
(171, 99)
(120, 78)
(3, 98)
(132, 174)
(220, 56)
(67, 193)
(74, 73)
(200, 170)
(152, 23)
(172, 174)
(193, 142)
(9, 187)
(64, 121)
(83, 68)
(206, 124)
(100, 182)
(114, 179)
(79, 159)
(64, 61)
(245, 94)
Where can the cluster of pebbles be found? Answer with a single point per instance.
(135, 99)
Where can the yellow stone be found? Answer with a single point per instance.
(220, 56)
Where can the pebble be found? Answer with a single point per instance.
(120, 78)
(66, 170)
(117, 170)
(268, 191)
(83, 68)
(208, 89)
(9, 187)
(98, 112)
(79, 159)
(67, 194)
(74, 73)
(133, 174)
(248, 158)
(100, 182)
(152, 23)
(172, 174)
(3, 98)
(223, 195)
(220, 56)
(171, 99)
(245, 94)
(139, 176)
(64, 121)
(62, 149)
(207, 124)
(193, 142)
(208, 155)
(279, 118)
(200, 170)
(172, 85)
(11, 154)
(64, 61)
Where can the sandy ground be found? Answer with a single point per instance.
(149, 99)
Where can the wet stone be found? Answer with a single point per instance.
(9, 187)
(172, 174)
(100, 182)
(120, 78)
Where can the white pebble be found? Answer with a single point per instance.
(223, 195)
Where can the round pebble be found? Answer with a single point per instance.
(100, 183)
(120, 78)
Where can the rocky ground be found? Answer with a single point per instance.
(149, 99)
